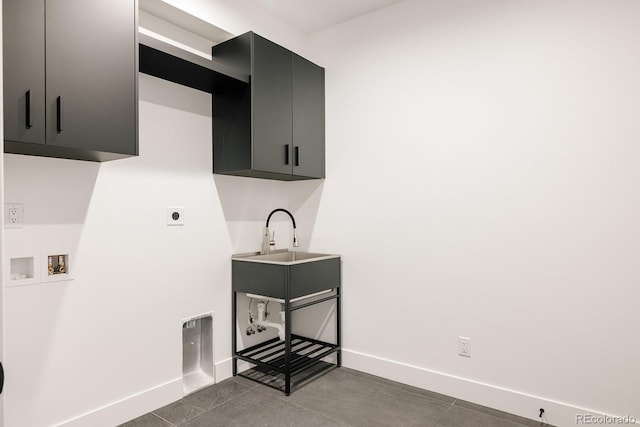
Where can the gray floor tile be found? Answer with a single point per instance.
(360, 401)
(245, 382)
(216, 394)
(462, 417)
(148, 420)
(405, 387)
(338, 397)
(179, 412)
(500, 414)
(255, 408)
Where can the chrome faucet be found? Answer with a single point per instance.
(268, 240)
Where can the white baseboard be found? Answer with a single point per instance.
(140, 403)
(223, 370)
(525, 405)
(512, 401)
(130, 407)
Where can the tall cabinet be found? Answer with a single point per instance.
(274, 127)
(70, 78)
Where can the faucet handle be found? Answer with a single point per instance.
(272, 242)
(265, 241)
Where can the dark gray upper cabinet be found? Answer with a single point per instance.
(23, 50)
(272, 102)
(308, 118)
(273, 128)
(86, 55)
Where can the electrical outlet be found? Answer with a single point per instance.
(13, 215)
(175, 215)
(464, 346)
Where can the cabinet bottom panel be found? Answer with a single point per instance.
(44, 150)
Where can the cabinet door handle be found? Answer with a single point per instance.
(59, 114)
(286, 154)
(28, 120)
(296, 158)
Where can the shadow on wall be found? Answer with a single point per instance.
(246, 203)
(39, 310)
(56, 195)
(304, 202)
(53, 191)
(174, 130)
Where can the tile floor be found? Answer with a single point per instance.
(339, 397)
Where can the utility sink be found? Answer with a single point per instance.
(285, 257)
(285, 274)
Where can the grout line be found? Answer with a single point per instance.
(253, 384)
(316, 412)
(186, 402)
(443, 416)
(167, 421)
(204, 410)
(219, 404)
(192, 404)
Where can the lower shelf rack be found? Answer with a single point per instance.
(271, 354)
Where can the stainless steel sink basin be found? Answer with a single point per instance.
(285, 274)
(284, 257)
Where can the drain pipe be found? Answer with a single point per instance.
(262, 321)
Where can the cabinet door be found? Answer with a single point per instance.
(23, 34)
(308, 118)
(91, 68)
(272, 115)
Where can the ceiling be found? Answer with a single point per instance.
(309, 16)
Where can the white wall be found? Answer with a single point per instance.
(483, 156)
(240, 16)
(106, 346)
(115, 330)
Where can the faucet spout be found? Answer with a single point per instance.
(281, 210)
(267, 243)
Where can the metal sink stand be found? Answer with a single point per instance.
(293, 355)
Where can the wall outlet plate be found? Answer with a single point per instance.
(464, 346)
(13, 215)
(175, 215)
